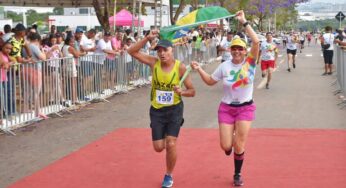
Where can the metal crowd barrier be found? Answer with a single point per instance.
(340, 59)
(29, 92)
(206, 54)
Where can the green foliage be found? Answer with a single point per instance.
(58, 11)
(319, 24)
(32, 17)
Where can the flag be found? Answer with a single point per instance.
(193, 19)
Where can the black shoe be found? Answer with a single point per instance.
(324, 74)
(228, 153)
(294, 65)
(263, 75)
(237, 181)
(289, 70)
(267, 86)
(330, 73)
(64, 103)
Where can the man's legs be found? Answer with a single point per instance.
(269, 77)
(171, 153)
(169, 143)
(289, 59)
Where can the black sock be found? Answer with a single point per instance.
(238, 162)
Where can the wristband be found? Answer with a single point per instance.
(245, 24)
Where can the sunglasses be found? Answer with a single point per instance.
(237, 48)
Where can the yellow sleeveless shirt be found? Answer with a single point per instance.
(162, 93)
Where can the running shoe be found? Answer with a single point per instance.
(267, 86)
(167, 181)
(228, 152)
(289, 70)
(237, 180)
(324, 74)
(330, 73)
(294, 65)
(263, 75)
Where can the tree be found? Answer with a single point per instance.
(259, 10)
(14, 16)
(105, 8)
(58, 11)
(263, 9)
(180, 8)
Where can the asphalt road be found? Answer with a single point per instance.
(299, 99)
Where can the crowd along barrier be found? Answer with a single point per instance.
(29, 92)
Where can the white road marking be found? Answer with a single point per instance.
(308, 55)
(263, 83)
(264, 80)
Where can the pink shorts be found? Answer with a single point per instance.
(228, 114)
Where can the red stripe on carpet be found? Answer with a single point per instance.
(274, 158)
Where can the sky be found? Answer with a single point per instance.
(329, 1)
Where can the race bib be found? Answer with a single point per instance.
(164, 97)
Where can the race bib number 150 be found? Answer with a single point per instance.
(164, 97)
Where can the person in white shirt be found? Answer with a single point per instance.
(104, 46)
(292, 41)
(302, 41)
(224, 47)
(327, 41)
(88, 45)
(236, 110)
(8, 33)
(269, 55)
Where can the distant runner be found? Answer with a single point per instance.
(269, 55)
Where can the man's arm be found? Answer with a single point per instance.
(135, 52)
(190, 90)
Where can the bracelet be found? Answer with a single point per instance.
(245, 24)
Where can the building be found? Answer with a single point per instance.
(4, 21)
(85, 18)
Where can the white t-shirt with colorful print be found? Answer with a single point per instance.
(268, 51)
(237, 80)
(291, 44)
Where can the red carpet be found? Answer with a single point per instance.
(275, 158)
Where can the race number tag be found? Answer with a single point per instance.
(164, 97)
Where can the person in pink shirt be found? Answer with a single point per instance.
(117, 41)
(4, 66)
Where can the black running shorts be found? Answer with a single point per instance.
(166, 121)
(328, 56)
(293, 52)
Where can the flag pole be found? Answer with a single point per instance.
(114, 14)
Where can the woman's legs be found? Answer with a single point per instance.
(242, 129)
(226, 137)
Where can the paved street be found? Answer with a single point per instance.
(299, 99)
